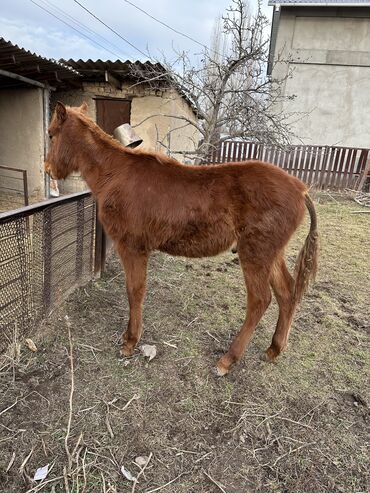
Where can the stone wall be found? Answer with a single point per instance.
(148, 109)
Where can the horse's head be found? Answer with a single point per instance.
(61, 160)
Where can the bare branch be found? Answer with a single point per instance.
(227, 86)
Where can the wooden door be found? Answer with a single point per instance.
(111, 113)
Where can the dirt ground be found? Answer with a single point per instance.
(299, 425)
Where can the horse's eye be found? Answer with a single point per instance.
(50, 136)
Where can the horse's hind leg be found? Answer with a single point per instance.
(135, 266)
(283, 286)
(259, 297)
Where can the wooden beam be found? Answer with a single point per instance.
(11, 75)
(112, 80)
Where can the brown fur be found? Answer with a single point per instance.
(149, 202)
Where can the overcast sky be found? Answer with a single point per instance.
(25, 24)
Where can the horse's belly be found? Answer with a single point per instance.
(200, 241)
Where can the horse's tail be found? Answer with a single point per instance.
(306, 265)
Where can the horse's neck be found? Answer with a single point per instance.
(95, 161)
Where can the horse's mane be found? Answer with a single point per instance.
(112, 143)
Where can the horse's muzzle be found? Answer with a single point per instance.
(47, 168)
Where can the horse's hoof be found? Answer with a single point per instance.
(126, 351)
(220, 370)
(269, 356)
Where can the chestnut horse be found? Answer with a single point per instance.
(148, 201)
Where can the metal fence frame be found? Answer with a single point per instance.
(30, 229)
(23, 172)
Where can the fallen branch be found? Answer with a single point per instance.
(107, 422)
(39, 487)
(68, 323)
(167, 484)
(7, 409)
(10, 462)
(141, 472)
(219, 485)
(65, 476)
(23, 465)
(134, 398)
(292, 452)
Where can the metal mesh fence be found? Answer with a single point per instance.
(46, 251)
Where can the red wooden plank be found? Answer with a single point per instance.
(244, 151)
(329, 164)
(324, 167)
(361, 169)
(279, 161)
(342, 164)
(313, 164)
(305, 163)
(292, 157)
(298, 161)
(334, 167)
(346, 168)
(320, 153)
(228, 151)
(240, 146)
(250, 149)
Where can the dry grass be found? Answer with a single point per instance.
(296, 426)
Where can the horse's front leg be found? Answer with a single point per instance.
(135, 267)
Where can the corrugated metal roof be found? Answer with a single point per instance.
(121, 70)
(94, 70)
(27, 64)
(322, 3)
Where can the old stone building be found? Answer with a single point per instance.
(113, 98)
(30, 85)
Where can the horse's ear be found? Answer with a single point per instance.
(61, 112)
(84, 107)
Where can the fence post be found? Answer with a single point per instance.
(80, 223)
(100, 247)
(47, 256)
(366, 170)
(25, 187)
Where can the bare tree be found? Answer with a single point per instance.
(229, 89)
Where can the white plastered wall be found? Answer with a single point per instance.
(22, 135)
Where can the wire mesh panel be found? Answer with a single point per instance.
(45, 253)
(15, 286)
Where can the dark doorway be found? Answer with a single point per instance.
(110, 113)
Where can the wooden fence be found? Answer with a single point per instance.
(320, 166)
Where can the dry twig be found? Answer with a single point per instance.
(10, 462)
(141, 472)
(167, 484)
(23, 465)
(39, 487)
(219, 485)
(291, 452)
(68, 323)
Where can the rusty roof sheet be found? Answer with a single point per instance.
(27, 64)
(94, 70)
(121, 69)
